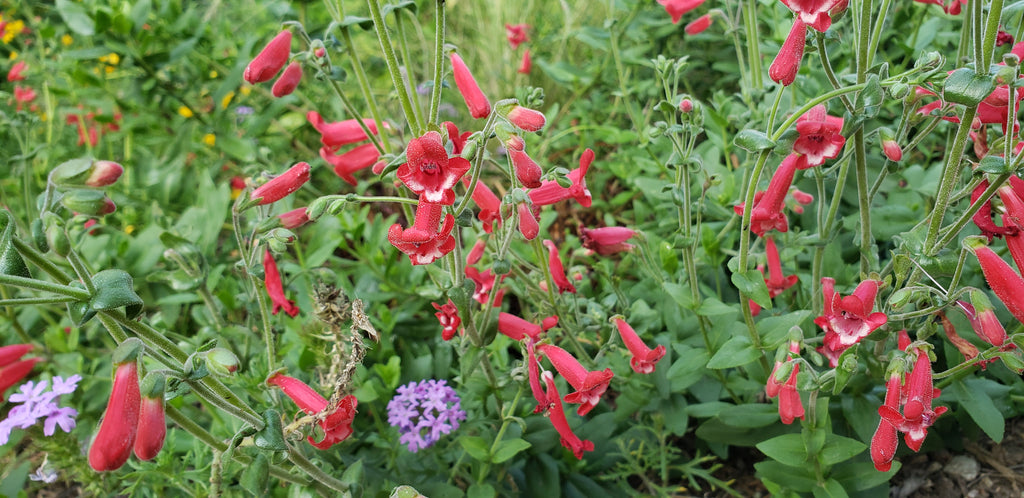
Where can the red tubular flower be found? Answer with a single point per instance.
(983, 319)
(698, 25)
(527, 171)
(12, 368)
(606, 240)
(336, 424)
(423, 242)
(968, 350)
(23, 95)
(777, 282)
(477, 252)
(556, 413)
(790, 405)
(589, 385)
(644, 358)
(526, 64)
(357, 159)
(885, 440)
(557, 270)
(526, 119)
(983, 217)
(113, 443)
(551, 192)
(484, 284)
(270, 60)
(294, 219)
(533, 370)
(15, 74)
(848, 319)
(476, 101)
(517, 328)
(334, 135)
(274, 287)
(767, 212)
(820, 137)
(892, 150)
(814, 13)
(516, 34)
(918, 414)
(429, 171)
(787, 62)
(489, 204)
(1006, 283)
(528, 225)
(678, 8)
(448, 316)
(801, 197)
(288, 80)
(152, 429)
(282, 185)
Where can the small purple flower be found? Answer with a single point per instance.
(36, 403)
(424, 411)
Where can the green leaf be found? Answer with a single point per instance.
(862, 475)
(353, 473)
(753, 140)
(981, 408)
(363, 22)
(751, 283)
(481, 490)
(840, 449)
(736, 352)
(871, 97)
(75, 16)
(994, 164)
(795, 478)
(238, 148)
(10, 260)
(113, 290)
(409, 5)
(477, 447)
(966, 87)
(750, 415)
(271, 437)
(787, 449)
(508, 448)
(255, 476)
(774, 330)
(687, 368)
(831, 489)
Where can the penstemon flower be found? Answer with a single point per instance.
(556, 412)
(476, 101)
(334, 135)
(12, 368)
(557, 270)
(280, 186)
(424, 242)
(288, 80)
(336, 421)
(424, 411)
(644, 358)
(551, 192)
(270, 60)
(275, 289)
(848, 319)
(429, 172)
(113, 443)
(589, 385)
(357, 159)
(448, 316)
(516, 34)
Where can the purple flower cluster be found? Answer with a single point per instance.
(36, 403)
(424, 411)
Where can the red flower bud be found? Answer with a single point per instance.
(279, 187)
(476, 101)
(113, 443)
(289, 79)
(152, 427)
(270, 60)
(787, 62)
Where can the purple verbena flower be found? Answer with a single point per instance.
(424, 411)
(36, 403)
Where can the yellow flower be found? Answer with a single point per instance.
(12, 29)
(213, 74)
(66, 40)
(246, 90)
(128, 229)
(210, 139)
(14, 55)
(185, 112)
(113, 59)
(226, 101)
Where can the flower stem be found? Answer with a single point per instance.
(392, 62)
(435, 91)
(950, 175)
(42, 285)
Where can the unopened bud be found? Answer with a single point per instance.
(686, 106)
(56, 237)
(1011, 59)
(88, 202)
(221, 362)
(890, 147)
